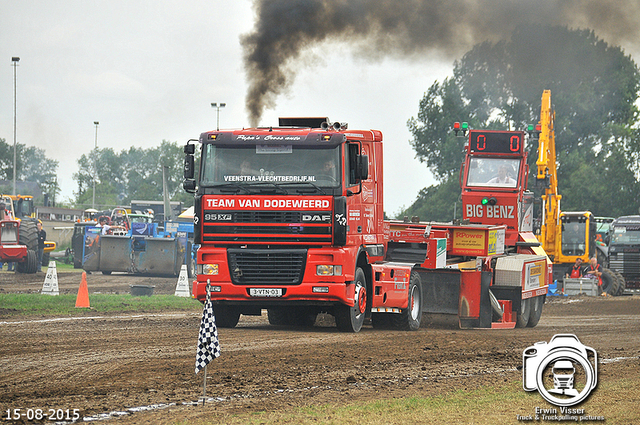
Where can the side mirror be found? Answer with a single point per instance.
(189, 183)
(189, 186)
(189, 167)
(362, 172)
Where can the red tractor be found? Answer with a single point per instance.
(18, 242)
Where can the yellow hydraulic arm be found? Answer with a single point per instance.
(547, 175)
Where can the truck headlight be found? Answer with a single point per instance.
(210, 269)
(328, 270)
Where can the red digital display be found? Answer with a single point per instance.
(496, 141)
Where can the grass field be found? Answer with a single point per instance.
(503, 404)
(47, 305)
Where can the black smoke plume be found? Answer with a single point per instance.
(404, 29)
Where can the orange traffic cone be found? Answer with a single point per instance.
(82, 301)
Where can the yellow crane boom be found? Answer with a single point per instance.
(548, 176)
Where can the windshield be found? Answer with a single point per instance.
(275, 164)
(573, 238)
(626, 235)
(134, 218)
(495, 172)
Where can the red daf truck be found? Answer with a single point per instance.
(290, 219)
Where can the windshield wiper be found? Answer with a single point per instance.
(231, 188)
(315, 188)
(275, 187)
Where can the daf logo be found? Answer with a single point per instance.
(316, 217)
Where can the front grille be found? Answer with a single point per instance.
(626, 262)
(284, 230)
(267, 267)
(267, 216)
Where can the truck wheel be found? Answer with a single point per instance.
(410, 317)
(28, 234)
(226, 316)
(524, 313)
(29, 265)
(609, 282)
(536, 311)
(621, 283)
(350, 319)
(46, 256)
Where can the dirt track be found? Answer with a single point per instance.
(101, 364)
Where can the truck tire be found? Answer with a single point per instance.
(609, 282)
(28, 235)
(536, 310)
(350, 319)
(29, 265)
(226, 316)
(524, 313)
(46, 256)
(409, 319)
(622, 284)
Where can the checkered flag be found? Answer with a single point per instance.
(208, 345)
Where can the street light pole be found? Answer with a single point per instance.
(15, 61)
(93, 203)
(215, 105)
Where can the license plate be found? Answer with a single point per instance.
(265, 292)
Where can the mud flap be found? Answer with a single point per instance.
(158, 258)
(115, 253)
(475, 303)
(440, 290)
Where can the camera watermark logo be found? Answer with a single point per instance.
(563, 371)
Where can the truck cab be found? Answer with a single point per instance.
(287, 216)
(494, 182)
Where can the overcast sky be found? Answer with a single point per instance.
(148, 71)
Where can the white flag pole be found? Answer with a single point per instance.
(204, 386)
(204, 378)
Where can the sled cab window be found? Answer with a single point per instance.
(493, 172)
(574, 238)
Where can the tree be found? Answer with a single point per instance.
(438, 202)
(499, 86)
(32, 165)
(132, 174)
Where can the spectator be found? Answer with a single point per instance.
(103, 224)
(503, 177)
(575, 271)
(42, 236)
(594, 270)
